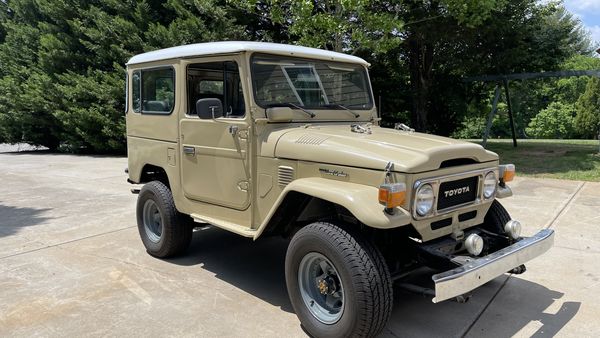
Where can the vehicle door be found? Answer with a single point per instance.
(214, 144)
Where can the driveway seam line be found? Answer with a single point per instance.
(66, 242)
(485, 307)
(551, 223)
(563, 209)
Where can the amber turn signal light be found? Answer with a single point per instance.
(392, 195)
(507, 172)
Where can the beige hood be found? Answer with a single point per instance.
(410, 152)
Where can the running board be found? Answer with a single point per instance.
(235, 228)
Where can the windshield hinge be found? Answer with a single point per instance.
(357, 128)
(404, 127)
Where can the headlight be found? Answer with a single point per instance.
(424, 199)
(489, 185)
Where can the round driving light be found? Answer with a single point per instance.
(474, 244)
(489, 184)
(424, 199)
(513, 229)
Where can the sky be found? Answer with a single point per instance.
(589, 13)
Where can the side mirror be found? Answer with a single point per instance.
(209, 108)
(280, 114)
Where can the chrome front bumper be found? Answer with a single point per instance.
(456, 282)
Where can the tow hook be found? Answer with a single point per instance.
(463, 298)
(518, 270)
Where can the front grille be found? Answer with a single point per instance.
(441, 223)
(467, 216)
(457, 192)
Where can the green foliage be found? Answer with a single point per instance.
(342, 25)
(588, 110)
(561, 159)
(473, 127)
(62, 76)
(91, 109)
(472, 13)
(556, 121)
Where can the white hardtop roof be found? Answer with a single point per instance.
(229, 47)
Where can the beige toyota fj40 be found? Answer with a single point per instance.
(265, 139)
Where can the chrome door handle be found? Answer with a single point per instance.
(189, 150)
(233, 129)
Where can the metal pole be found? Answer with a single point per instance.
(379, 106)
(490, 118)
(510, 113)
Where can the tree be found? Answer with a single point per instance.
(339, 25)
(4, 15)
(587, 120)
(62, 74)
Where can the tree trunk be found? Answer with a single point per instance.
(420, 57)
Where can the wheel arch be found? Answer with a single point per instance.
(150, 172)
(351, 199)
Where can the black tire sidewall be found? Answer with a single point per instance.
(148, 193)
(176, 230)
(303, 244)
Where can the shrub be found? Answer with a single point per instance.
(556, 121)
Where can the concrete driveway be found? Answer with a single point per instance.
(72, 264)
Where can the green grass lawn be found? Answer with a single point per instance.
(563, 159)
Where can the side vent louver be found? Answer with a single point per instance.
(286, 175)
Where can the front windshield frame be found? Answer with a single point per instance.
(308, 63)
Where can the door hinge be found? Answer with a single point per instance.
(243, 134)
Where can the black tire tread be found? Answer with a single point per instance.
(497, 217)
(176, 231)
(369, 272)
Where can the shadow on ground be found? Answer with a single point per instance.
(518, 303)
(258, 269)
(13, 219)
(521, 302)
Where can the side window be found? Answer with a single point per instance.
(135, 91)
(216, 80)
(158, 90)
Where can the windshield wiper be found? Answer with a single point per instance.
(289, 104)
(356, 115)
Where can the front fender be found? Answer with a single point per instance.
(361, 200)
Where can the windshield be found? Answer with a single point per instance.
(309, 83)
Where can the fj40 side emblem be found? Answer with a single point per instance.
(456, 191)
(332, 172)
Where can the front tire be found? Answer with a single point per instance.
(496, 218)
(162, 228)
(339, 284)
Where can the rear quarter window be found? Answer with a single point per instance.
(153, 91)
